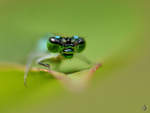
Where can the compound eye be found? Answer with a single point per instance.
(53, 44)
(81, 41)
(74, 40)
(55, 40)
(80, 45)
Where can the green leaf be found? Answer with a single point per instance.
(116, 33)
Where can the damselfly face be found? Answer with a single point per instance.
(66, 46)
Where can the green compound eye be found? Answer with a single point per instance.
(80, 46)
(53, 44)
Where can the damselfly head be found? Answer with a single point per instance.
(66, 46)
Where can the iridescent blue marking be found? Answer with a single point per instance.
(57, 37)
(75, 37)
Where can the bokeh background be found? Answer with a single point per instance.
(117, 34)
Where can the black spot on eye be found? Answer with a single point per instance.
(68, 40)
(54, 40)
(73, 40)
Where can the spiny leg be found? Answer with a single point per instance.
(41, 60)
(45, 65)
(57, 63)
(49, 58)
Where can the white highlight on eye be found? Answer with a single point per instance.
(52, 39)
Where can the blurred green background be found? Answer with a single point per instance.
(117, 33)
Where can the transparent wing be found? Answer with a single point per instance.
(39, 50)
